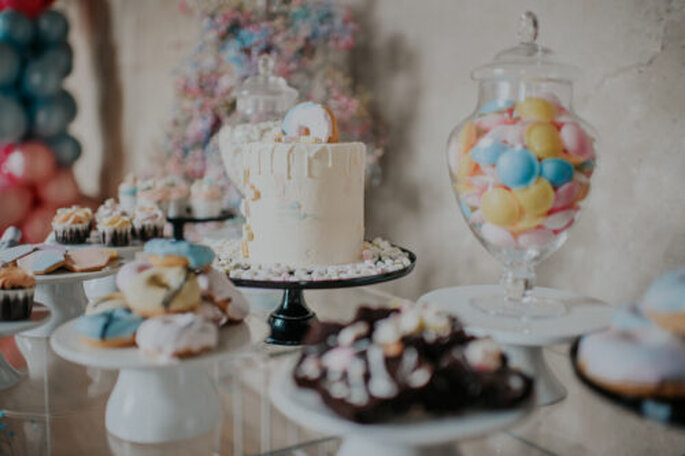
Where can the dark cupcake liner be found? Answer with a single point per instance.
(72, 235)
(115, 238)
(13, 308)
(147, 232)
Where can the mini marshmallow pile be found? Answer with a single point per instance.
(379, 257)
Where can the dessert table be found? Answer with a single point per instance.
(582, 423)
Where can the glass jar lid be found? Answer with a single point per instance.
(265, 89)
(528, 60)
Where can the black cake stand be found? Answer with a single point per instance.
(667, 411)
(291, 320)
(179, 222)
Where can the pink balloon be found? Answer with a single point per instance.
(36, 226)
(15, 203)
(30, 162)
(60, 190)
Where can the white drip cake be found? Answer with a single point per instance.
(304, 194)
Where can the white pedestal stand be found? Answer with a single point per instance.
(524, 339)
(155, 402)
(429, 437)
(9, 376)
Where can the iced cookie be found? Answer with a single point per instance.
(106, 302)
(157, 291)
(12, 254)
(129, 271)
(87, 259)
(664, 301)
(178, 335)
(220, 291)
(42, 261)
(110, 328)
(198, 256)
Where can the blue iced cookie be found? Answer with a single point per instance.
(664, 301)
(12, 254)
(198, 256)
(111, 328)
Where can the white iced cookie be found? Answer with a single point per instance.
(220, 291)
(311, 120)
(161, 290)
(177, 335)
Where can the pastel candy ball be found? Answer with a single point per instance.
(583, 187)
(537, 198)
(496, 105)
(498, 236)
(499, 207)
(491, 121)
(488, 151)
(466, 167)
(559, 220)
(526, 222)
(536, 238)
(576, 141)
(510, 134)
(556, 171)
(565, 195)
(539, 109)
(517, 168)
(543, 140)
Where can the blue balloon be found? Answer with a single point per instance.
(41, 79)
(52, 27)
(49, 117)
(10, 64)
(69, 103)
(66, 149)
(58, 56)
(16, 28)
(13, 120)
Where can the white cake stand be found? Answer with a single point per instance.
(9, 376)
(524, 339)
(428, 437)
(152, 401)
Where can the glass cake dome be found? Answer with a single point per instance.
(520, 167)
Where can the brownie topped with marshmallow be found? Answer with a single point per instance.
(387, 362)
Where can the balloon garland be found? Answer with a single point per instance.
(36, 152)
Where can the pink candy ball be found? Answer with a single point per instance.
(538, 237)
(576, 141)
(510, 134)
(564, 195)
(491, 121)
(497, 236)
(559, 220)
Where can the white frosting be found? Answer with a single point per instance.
(483, 354)
(306, 204)
(168, 335)
(216, 285)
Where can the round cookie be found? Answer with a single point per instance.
(110, 328)
(129, 271)
(220, 291)
(664, 301)
(198, 256)
(178, 335)
(42, 261)
(105, 303)
(157, 291)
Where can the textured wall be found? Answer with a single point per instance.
(417, 58)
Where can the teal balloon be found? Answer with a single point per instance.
(52, 27)
(58, 56)
(41, 79)
(66, 149)
(49, 117)
(10, 65)
(69, 103)
(16, 28)
(13, 120)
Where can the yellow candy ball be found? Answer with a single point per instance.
(526, 222)
(543, 140)
(536, 199)
(499, 207)
(466, 167)
(533, 108)
(467, 137)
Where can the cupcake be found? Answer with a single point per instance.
(148, 222)
(72, 225)
(128, 193)
(177, 196)
(115, 230)
(108, 209)
(206, 198)
(151, 193)
(16, 293)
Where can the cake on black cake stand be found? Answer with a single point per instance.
(292, 318)
(179, 222)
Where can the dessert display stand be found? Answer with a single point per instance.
(663, 410)
(292, 318)
(9, 376)
(174, 400)
(178, 223)
(524, 339)
(428, 437)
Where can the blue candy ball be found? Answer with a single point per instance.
(59, 56)
(10, 64)
(52, 27)
(487, 151)
(518, 168)
(495, 106)
(13, 120)
(556, 171)
(16, 28)
(49, 117)
(41, 79)
(66, 149)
